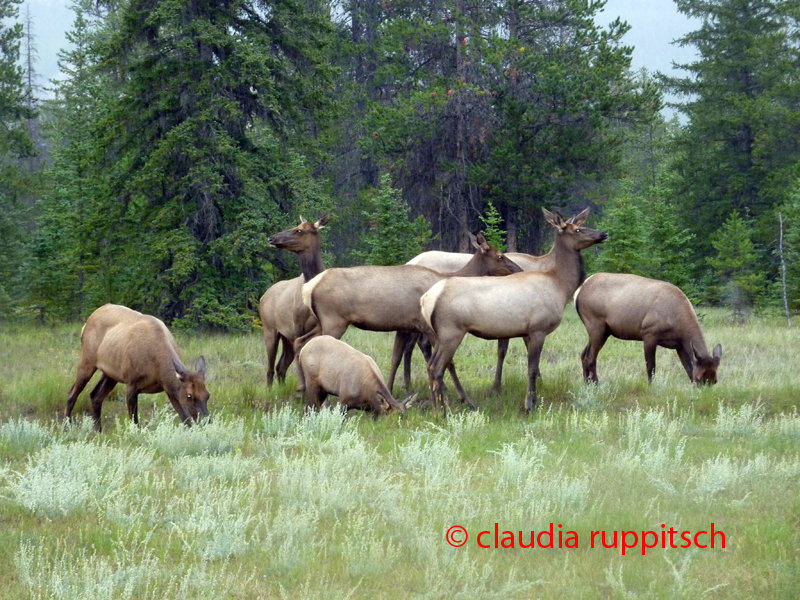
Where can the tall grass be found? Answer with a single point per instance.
(266, 500)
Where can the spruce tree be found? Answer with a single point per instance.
(739, 280)
(15, 144)
(206, 148)
(741, 99)
(391, 237)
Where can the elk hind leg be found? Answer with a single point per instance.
(650, 346)
(597, 339)
(286, 360)
(502, 351)
(403, 347)
(271, 339)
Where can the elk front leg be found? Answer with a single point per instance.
(650, 358)
(132, 397)
(534, 343)
(84, 375)
(98, 394)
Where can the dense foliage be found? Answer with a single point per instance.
(182, 135)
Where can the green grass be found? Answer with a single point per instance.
(277, 504)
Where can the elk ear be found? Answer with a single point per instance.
(302, 219)
(555, 219)
(473, 240)
(180, 369)
(580, 218)
(482, 243)
(323, 220)
(696, 354)
(717, 355)
(408, 402)
(200, 366)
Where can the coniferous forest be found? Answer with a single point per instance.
(181, 135)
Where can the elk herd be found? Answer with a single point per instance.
(431, 302)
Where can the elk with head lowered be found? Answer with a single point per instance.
(332, 367)
(654, 312)
(387, 298)
(446, 262)
(529, 305)
(139, 351)
(284, 317)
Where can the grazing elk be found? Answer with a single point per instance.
(284, 317)
(446, 262)
(139, 351)
(387, 298)
(529, 305)
(332, 367)
(654, 312)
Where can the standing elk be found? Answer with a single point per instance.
(446, 262)
(332, 367)
(284, 317)
(379, 298)
(529, 305)
(139, 351)
(654, 312)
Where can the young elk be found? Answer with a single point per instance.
(387, 298)
(447, 262)
(284, 317)
(332, 367)
(139, 351)
(529, 305)
(655, 312)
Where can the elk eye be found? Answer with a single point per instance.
(189, 396)
(577, 231)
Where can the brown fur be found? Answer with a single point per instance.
(655, 312)
(529, 305)
(139, 351)
(387, 298)
(284, 317)
(446, 262)
(332, 367)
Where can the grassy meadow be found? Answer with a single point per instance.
(266, 502)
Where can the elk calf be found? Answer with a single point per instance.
(139, 351)
(332, 367)
(655, 312)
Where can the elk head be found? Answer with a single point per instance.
(572, 233)
(192, 393)
(498, 264)
(704, 370)
(301, 238)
